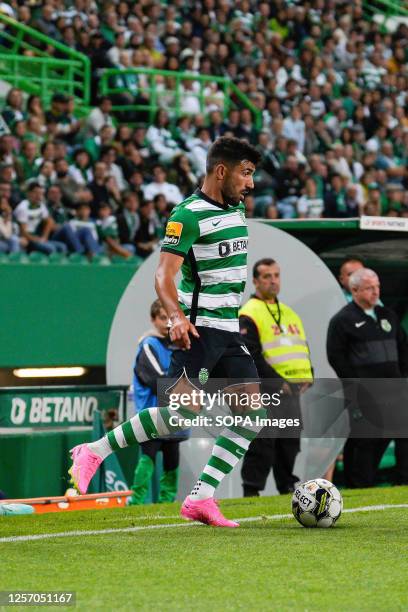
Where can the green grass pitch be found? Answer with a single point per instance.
(271, 563)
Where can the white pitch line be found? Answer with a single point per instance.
(247, 519)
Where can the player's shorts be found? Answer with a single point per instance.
(216, 356)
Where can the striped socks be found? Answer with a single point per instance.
(146, 425)
(230, 446)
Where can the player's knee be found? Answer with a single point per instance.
(243, 398)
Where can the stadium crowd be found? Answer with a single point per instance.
(330, 87)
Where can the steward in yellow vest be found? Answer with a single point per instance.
(275, 337)
(281, 337)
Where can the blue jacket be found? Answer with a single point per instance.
(152, 362)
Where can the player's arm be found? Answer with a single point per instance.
(182, 231)
(168, 267)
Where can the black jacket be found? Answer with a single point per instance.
(359, 347)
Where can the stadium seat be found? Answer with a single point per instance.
(57, 258)
(77, 258)
(101, 260)
(36, 257)
(18, 258)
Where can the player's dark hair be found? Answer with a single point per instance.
(229, 150)
(155, 309)
(266, 261)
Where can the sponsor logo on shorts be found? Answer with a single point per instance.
(203, 376)
(173, 233)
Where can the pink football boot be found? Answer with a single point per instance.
(85, 463)
(205, 511)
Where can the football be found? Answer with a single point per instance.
(317, 503)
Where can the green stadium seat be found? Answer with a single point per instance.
(3, 258)
(18, 258)
(101, 260)
(57, 258)
(77, 258)
(36, 257)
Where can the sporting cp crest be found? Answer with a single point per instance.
(242, 215)
(203, 376)
(386, 325)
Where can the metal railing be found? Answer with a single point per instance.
(385, 9)
(164, 89)
(27, 61)
(41, 76)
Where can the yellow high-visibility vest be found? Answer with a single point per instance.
(284, 345)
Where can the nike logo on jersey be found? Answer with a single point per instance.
(360, 324)
(245, 349)
(215, 223)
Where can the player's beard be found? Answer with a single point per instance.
(229, 195)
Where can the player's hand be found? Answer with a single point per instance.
(180, 329)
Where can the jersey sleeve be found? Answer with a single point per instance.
(182, 231)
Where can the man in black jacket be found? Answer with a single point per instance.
(128, 219)
(365, 341)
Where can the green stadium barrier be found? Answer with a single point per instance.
(386, 9)
(108, 85)
(40, 73)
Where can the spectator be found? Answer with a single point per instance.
(103, 189)
(335, 204)
(128, 220)
(199, 149)
(182, 175)
(100, 116)
(309, 206)
(160, 185)
(36, 224)
(288, 186)
(60, 121)
(160, 140)
(78, 239)
(113, 170)
(80, 171)
(13, 111)
(109, 234)
(146, 238)
(71, 191)
(10, 240)
(294, 128)
(26, 166)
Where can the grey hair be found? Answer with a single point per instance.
(359, 275)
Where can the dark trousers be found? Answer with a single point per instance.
(264, 454)
(169, 448)
(270, 450)
(361, 457)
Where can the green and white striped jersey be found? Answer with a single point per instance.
(213, 239)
